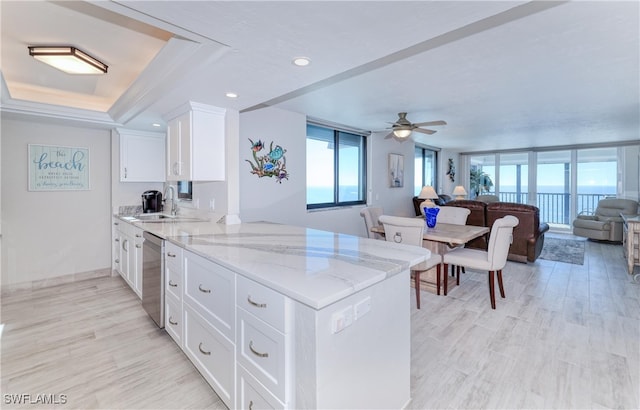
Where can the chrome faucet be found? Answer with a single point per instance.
(174, 204)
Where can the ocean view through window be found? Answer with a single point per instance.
(335, 177)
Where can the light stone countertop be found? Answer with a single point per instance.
(311, 266)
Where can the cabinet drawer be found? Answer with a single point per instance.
(264, 352)
(212, 353)
(253, 395)
(210, 290)
(266, 304)
(173, 281)
(173, 256)
(173, 319)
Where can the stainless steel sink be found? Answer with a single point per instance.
(167, 218)
(153, 217)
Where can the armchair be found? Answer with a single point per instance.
(605, 224)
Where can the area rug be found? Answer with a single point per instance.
(563, 250)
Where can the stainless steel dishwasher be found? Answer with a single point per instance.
(153, 277)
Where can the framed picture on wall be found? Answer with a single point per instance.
(57, 168)
(396, 170)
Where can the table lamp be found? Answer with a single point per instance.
(459, 192)
(428, 193)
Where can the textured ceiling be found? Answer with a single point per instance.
(502, 74)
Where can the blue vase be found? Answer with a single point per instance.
(431, 215)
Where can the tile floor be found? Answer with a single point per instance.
(566, 336)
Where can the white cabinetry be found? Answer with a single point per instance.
(128, 255)
(264, 343)
(209, 323)
(259, 348)
(142, 156)
(196, 143)
(173, 292)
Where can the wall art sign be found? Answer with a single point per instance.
(55, 168)
(271, 164)
(396, 170)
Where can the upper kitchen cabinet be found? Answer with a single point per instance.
(196, 143)
(141, 156)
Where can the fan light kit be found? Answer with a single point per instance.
(401, 129)
(68, 59)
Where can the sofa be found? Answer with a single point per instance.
(605, 224)
(442, 199)
(528, 236)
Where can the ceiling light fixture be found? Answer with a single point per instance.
(231, 95)
(301, 61)
(68, 59)
(402, 132)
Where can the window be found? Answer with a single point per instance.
(335, 177)
(425, 169)
(514, 178)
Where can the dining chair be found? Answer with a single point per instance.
(371, 215)
(456, 216)
(492, 260)
(453, 215)
(409, 231)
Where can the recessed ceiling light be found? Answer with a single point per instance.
(301, 61)
(231, 95)
(155, 124)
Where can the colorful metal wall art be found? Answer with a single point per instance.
(271, 164)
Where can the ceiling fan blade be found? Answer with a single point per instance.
(430, 123)
(425, 131)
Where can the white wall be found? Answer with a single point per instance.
(265, 199)
(50, 234)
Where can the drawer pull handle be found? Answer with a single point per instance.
(258, 305)
(117, 239)
(173, 285)
(204, 352)
(250, 404)
(138, 235)
(203, 290)
(138, 246)
(256, 352)
(171, 322)
(171, 255)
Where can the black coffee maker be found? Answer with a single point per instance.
(151, 201)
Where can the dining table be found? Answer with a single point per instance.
(443, 238)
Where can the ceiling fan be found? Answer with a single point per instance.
(402, 128)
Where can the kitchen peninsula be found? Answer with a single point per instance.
(281, 316)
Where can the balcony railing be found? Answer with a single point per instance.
(554, 207)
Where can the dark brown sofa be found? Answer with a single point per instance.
(442, 199)
(528, 236)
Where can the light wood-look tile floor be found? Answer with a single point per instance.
(566, 336)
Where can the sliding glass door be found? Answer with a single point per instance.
(553, 187)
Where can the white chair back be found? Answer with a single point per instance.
(399, 229)
(500, 240)
(371, 215)
(454, 215)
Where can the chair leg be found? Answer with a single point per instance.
(500, 283)
(438, 274)
(463, 271)
(492, 291)
(458, 275)
(446, 275)
(416, 277)
(453, 270)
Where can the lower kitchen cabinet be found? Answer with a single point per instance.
(212, 354)
(252, 394)
(127, 253)
(260, 349)
(174, 280)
